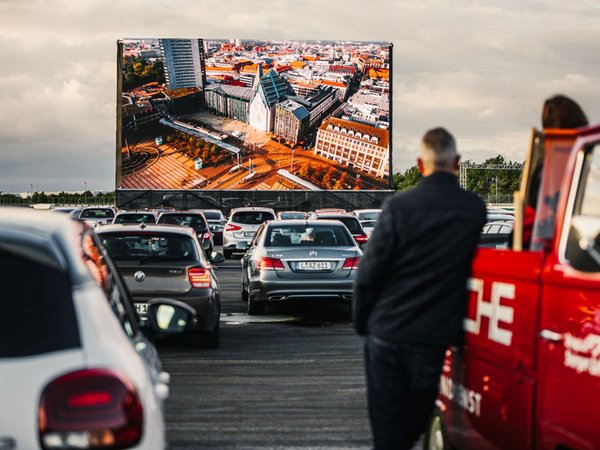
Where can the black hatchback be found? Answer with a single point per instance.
(167, 261)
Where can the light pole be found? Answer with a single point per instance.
(31, 186)
(496, 179)
(85, 192)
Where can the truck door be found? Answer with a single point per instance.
(569, 337)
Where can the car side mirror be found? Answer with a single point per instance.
(216, 258)
(168, 316)
(584, 243)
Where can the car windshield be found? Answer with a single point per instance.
(308, 235)
(145, 246)
(212, 215)
(97, 213)
(196, 221)
(373, 215)
(251, 217)
(135, 218)
(292, 215)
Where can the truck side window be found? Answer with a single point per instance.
(583, 244)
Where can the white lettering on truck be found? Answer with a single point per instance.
(464, 397)
(493, 310)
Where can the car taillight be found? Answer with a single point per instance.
(232, 227)
(351, 263)
(199, 277)
(92, 408)
(266, 263)
(361, 238)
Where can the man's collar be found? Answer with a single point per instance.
(440, 177)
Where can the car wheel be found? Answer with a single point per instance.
(255, 308)
(436, 437)
(210, 339)
(244, 293)
(226, 253)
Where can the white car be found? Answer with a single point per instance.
(241, 227)
(367, 218)
(76, 371)
(97, 215)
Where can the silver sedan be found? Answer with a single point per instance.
(291, 260)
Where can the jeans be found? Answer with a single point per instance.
(402, 385)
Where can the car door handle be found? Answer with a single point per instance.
(551, 336)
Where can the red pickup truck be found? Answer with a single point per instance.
(528, 376)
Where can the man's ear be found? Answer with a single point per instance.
(457, 162)
(420, 166)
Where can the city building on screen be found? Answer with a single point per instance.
(355, 145)
(184, 62)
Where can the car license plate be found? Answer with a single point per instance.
(314, 265)
(249, 233)
(141, 308)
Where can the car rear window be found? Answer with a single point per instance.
(308, 235)
(292, 215)
(212, 215)
(149, 247)
(196, 221)
(351, 223)
(135, 218)
(97, 213)
(251, 217)
(369, 215)
(38, 315)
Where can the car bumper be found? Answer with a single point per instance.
(230, 242)
(338, 291)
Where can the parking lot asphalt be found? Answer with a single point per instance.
(292, 379)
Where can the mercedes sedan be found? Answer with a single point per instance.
(307, 260)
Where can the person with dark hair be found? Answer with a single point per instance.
(562, 112)
(410, 294)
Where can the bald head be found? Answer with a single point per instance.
(437, 152)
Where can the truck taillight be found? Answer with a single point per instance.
(361, 238)
(351, 263)
(92, 408)
(266, 263)
(199, 277)
(232, 227)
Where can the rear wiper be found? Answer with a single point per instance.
(157, 256)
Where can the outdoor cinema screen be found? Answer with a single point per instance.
(253, 114)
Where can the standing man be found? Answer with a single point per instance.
(411, 292)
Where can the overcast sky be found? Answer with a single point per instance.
(481, 68)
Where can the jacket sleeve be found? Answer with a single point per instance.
(373, 267)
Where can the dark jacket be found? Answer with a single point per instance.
(411, 281)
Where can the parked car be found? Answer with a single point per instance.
(75, 368)
(368, 219)
(348, 219)
(195, 220)
(216, 222)
(167, 261)
(241, 227)
(64, 209)
(290, 215)
(496, 234)
(135, 217)
(292, 260)
(97, 215)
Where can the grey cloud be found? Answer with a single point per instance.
(480, 67)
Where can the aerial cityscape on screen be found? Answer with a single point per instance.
(250, 114)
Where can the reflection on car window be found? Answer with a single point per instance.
(132, 247)
(185, 220)
(98, 213)
(251, 217)
(307, 235)
(135, 218)
(583, 244)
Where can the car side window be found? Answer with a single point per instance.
(257, 236)
(583, 243)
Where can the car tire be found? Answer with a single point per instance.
(255, 308)
(211, 339)
(244, 293)
(436, 437)
(226, 253)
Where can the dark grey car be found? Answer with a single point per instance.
(167, 261)
(291, 260)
